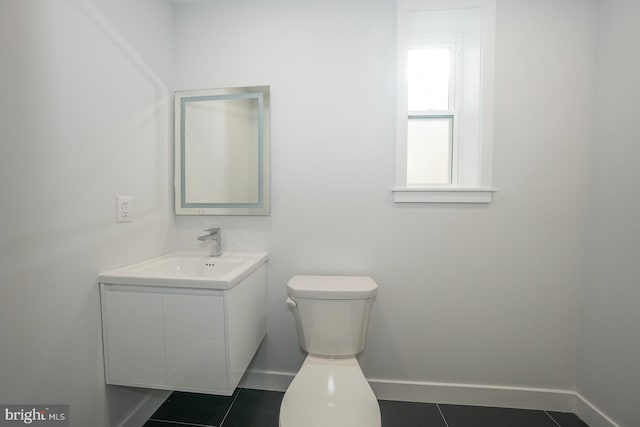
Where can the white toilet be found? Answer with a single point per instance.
(332, 314)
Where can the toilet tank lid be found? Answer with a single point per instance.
(332, 287)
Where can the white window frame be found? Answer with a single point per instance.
(478, 189)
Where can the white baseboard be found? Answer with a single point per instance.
(458, 394)
(471, 394)
(267, 380)
(590, 414)
(145, 409)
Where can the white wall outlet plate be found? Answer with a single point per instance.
(123, 209)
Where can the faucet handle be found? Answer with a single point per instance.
(213, 230)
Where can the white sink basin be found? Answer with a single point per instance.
(188, 269)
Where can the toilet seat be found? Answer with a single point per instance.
(329, 392)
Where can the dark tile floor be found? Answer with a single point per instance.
(257, 408)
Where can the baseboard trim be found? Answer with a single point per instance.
(458, 394)
(472, 394)
(591, 414)
(267, 380)
(143, 411)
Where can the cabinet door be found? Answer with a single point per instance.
(134, 346)
(195, 341)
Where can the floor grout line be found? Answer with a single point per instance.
(442, 415)
(230, 406)
(552, 419)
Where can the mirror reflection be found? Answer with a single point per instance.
(222, 151)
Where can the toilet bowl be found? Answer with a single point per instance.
(332, 315)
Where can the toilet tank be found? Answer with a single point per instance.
(332, 313)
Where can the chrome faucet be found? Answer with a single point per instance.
(214, 234)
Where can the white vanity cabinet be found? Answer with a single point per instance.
(182, 337)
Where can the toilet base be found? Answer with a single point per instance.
(329, 392)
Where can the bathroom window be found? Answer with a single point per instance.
(445, 101)
(431, 113)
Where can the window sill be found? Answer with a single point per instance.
(443, 194)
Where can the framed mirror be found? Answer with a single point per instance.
(222, 151)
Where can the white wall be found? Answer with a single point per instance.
(610, 346)
(470, 294)
(84, 116)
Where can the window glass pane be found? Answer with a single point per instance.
(429, 150)
(428, 72)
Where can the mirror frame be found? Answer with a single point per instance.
(261, 207)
